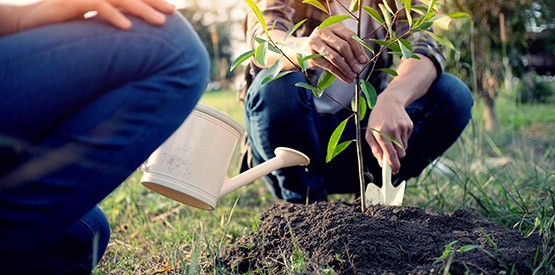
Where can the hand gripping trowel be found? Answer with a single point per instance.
(387, 194)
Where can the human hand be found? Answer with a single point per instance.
(389, 116)
(53, 11)
(344, 57)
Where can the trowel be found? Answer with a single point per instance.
(387, 194)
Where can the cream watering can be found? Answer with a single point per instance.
(191, 166)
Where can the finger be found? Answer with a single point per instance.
(326, 65)
(143, 10)
(390, 151)
(111, 14)
(323, 43)
(357, 50)
(339, 39)
(161, 5)
(337, 61)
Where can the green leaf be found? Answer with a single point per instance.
(317, 4)
(333, 20)
(273, 71)
(387, 18)
(340, 148)
(364, 44)
(369, 92)
(293, 29)
(419, 9)
(259, 15)
(394, 47)
(312, 56)
(242, 58)
(459, 14)
(431, 7)
(260, 53)
(386, 5)
(354, 5)
(315, 91)
(425, 26)
(305, 85)
(389, 71)
(406, 52)
(388, 136)
(303, 63)
(381, 42)
(442, 40)
(273, 49)
(278, 76)
(407, 4)
(333, 148)
(363, 108)
(260, 40)
(325, 80)
(441, 21)
(372, 12)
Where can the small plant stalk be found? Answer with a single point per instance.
(358, 139)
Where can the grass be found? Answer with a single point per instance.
(154, 235)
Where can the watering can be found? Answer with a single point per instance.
(191, 166)
(387, 194)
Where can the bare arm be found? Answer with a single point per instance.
(20, 18)
(415, 76)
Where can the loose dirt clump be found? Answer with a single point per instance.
(384, 239)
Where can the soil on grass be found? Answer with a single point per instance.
(383, 239)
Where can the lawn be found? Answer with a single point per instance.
(154, 235)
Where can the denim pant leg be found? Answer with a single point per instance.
(280, 114)
(83, 105)
(80, 247)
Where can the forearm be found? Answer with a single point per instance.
(8, 19)
(20, 18)
(415, 76)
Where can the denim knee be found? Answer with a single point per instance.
(192, 67)
(456, 97)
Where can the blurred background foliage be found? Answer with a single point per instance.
(506, 44)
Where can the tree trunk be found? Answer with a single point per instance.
(490, 119)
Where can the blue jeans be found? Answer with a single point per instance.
(83, 105)
(280, 114)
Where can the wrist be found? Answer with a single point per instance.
(392, 96)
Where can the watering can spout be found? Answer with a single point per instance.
(285, 157)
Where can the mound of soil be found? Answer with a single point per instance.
(383, 239)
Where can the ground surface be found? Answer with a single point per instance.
(394, 240)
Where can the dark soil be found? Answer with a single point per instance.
(383, 239)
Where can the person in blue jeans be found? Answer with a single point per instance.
(423, 108)
(84, 102)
